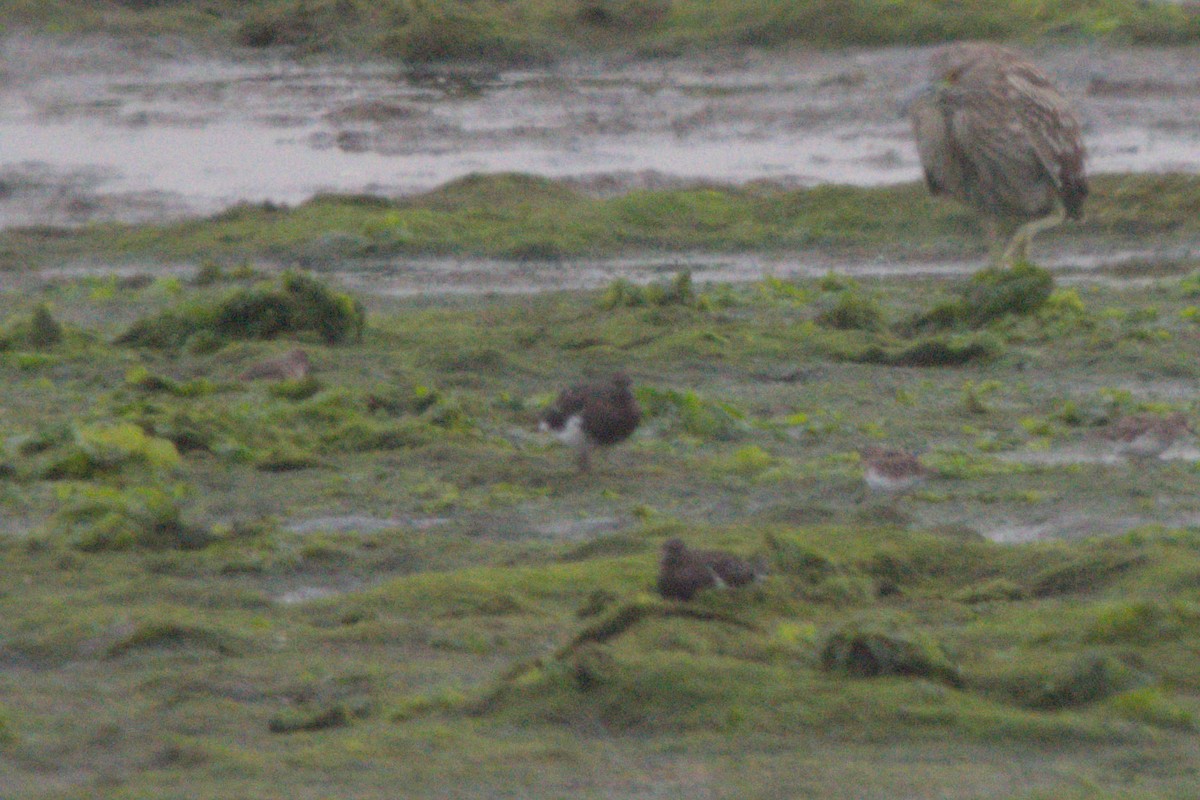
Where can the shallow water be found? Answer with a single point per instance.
(421, 276)
(447, 276)
(99, 130)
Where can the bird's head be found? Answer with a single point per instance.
(551, 419)
(922, 96)
(673, 550)
(949, 62)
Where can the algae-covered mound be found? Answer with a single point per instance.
(951, 333)
(40, 331)
(991, 294)
(932, 351)
(930, 652)
(870, 647)
(623, 293)
(99, 519)
(652, 665)
(295, 303)
(1020, 289)
(519, 217)
(692, 414)
(83, 452)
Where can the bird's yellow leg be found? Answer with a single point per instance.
(1018, 248)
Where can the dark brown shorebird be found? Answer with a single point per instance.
(888, 470)
(592, 415)
(1146, 436)
(682, 572)
(291, 366)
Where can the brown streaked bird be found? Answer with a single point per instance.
(291, 366)
(682, 572)
(888, 470)
(1146, 436)
(591, 415)
(994, 133)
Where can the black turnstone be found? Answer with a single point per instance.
(591, 415)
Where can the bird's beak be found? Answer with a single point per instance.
(922, 92)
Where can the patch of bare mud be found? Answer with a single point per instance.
(358, 523)
(306, 594)
(16, 527)
(1060, 456)
(96, 130)
(572, 529)
(423, 276)
(1068, 526)
(426, 276)
(1078, 525)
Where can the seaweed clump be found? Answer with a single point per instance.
(622, 293)
(991, 294)
(1089, 679)
(871, 648)
(296, 303)
(292, 721)
(1084, 573)
(852, 311)
(934, 351)
(40, 331)
(695, 415)
(101, 519)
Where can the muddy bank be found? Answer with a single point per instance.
(97, 130)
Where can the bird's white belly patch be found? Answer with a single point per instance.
(572, 431)
(886, 483)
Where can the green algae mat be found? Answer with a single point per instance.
(522, 32)
(377, 580)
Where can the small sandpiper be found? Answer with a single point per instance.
(887, 470)
(1146, 436)
(291, 366)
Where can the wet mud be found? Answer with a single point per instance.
(98, 131)
(103, 130)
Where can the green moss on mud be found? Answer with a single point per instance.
(533, 31)
(519, 217)
(295, 303)
(728, 661)
(429, 588)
